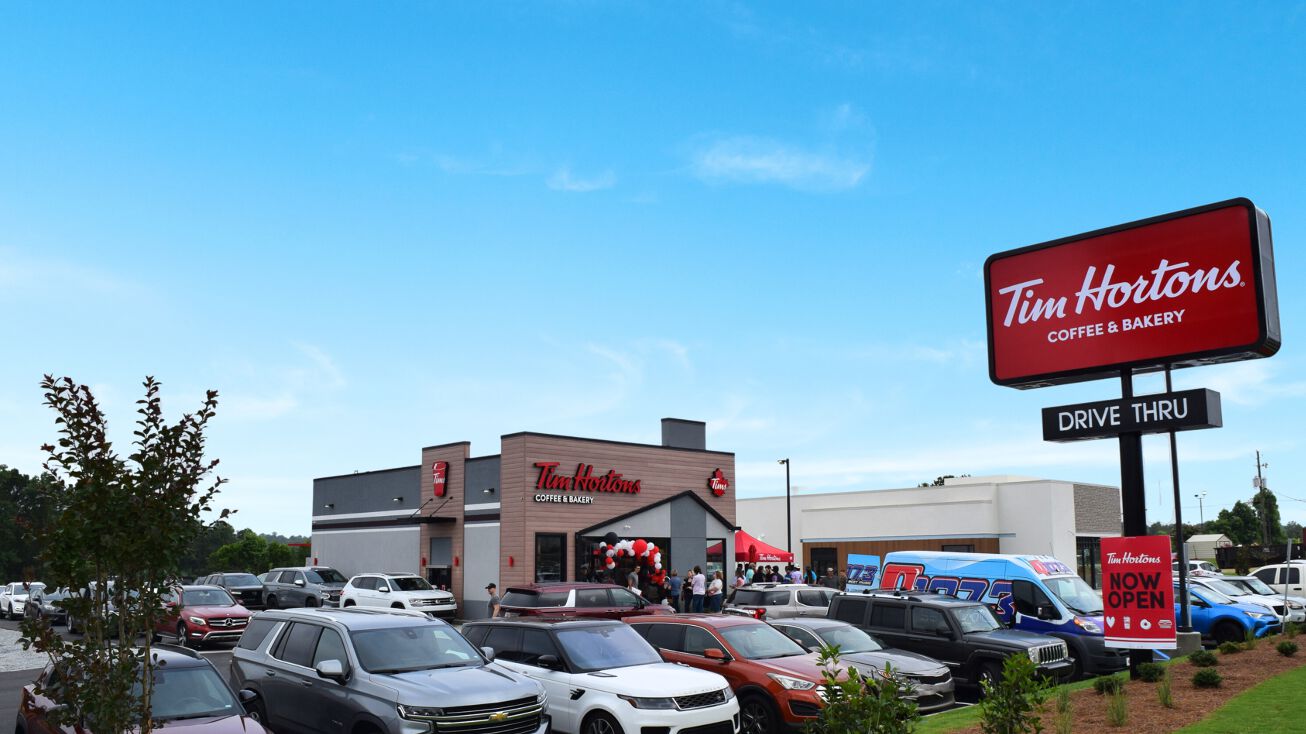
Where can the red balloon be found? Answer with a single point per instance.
(639, 547)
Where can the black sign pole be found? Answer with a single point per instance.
(1185, 614)
(1133, 501)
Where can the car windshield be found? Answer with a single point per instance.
(599, 648)
(976, 618)
(1226, 588)
(410, 583)
(420, 647)
(207, 598)
(760, 641)
(521, 598)
(324, 576)
(241, 579)
(1078, 596)
(1256, 586)
(850, 639)
(1208, 595)
(190, 693)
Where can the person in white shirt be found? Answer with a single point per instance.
(714, 592)
(698, 587)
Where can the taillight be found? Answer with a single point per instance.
(759, 612)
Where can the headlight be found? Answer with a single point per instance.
(1294, 605)
(198, 621)
(1088, 625)
(1033, 654)
(649, 703)
(1257, 615)
(728, 692)
(791, 684)
(419, 712)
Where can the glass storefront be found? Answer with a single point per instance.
(550, 557)
(1088, 556)
(716, 558)
(591, 565)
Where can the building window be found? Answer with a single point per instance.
(591, 565)
(716, 558)
(958, 548)
(550, 557)
(1088, 560)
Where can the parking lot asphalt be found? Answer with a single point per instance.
(12, 682)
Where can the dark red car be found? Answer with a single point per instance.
(199, 614)
(576, 599)
(188, 692)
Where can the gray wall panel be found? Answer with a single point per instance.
(368, 492)
(358, 551)
(480, 567)
(482, 474)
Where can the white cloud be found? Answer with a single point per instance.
(747, 159)
(563, 180)
(1252, 383)
(270, 393)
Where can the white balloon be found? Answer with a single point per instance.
(657, 566)
(658, 559)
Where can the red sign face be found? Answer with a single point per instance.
(1138, 592)
(1185, 288)
(439, 477)
(717, 483)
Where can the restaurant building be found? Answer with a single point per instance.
(536, 511)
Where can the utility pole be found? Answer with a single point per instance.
(1261, 494)
(789, 522)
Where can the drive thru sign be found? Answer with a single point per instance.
(1138, 592)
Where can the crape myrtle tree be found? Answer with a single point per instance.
(118, 530)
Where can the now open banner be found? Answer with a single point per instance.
(1138, 592)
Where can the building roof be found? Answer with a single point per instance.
(1207, 538)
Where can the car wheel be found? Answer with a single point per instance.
(756, 716)
(182, 639)
(1076, 666)
(1228, 632)
(396, 605)
(310, 601)
(601, 723)
(989, 673)
(349, 603)
(271, 602)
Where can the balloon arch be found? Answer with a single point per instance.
(643, 553)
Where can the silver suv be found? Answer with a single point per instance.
(779, 601)
(378, 671)
(310, 586)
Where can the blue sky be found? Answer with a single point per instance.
(375, 228)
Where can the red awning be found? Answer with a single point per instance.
(751, 550)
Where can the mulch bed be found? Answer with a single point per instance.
(1191, 704)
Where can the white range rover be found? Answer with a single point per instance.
(601, 677)
(398, 591)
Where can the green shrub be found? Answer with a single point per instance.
(1065, 719)
(1150, 672)
(1163, 694)
(1117, 708)
(859, 704)
(1063, 699)
(1012, 705)
(1249, 640)
(1230, 648)
(1290, 630)
(1207, 678)
(1203, 659)
(1108, 684)
(1286, 649)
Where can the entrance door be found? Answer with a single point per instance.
(823, 558)
(441, 577)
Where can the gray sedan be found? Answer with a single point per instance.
(929, 680)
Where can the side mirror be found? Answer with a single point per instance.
(1046, 611)
(944, 631)
(299, 583)
(488, 652)
(386, 590)
(331, 670)
(549, 661)
(246, 696)
(713, 653)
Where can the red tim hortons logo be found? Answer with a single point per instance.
(1187, 288)
(440, 477)
(717, 483)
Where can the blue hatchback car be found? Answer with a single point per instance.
(1221, 619)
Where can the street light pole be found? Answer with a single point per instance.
(789, 522)
(1201, 513)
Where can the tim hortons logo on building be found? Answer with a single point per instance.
(717, 483)
(439, 477)
(583, 480)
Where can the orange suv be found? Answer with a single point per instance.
(776, 680)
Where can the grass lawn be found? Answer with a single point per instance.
(1277, 705)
